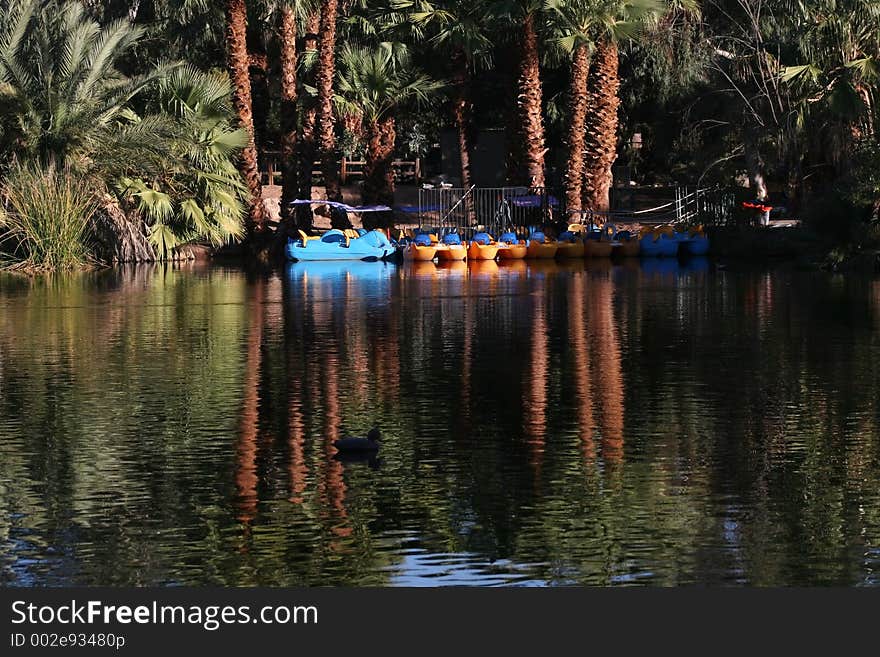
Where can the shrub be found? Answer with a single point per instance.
(44, 221)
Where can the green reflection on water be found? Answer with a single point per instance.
(649, 423)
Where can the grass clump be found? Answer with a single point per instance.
(45, 218)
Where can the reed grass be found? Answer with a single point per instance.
(45, 218)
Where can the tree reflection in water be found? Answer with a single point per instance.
(656, 423)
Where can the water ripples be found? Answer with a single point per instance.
(544, 425)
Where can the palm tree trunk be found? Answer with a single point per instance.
(577, 113)
(600, 139)
(529, 104)
(461, 115)
(306, 160)
(379, 170)
(288, 116)
(324, 78)
(236, 45)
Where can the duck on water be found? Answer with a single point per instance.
(370, 443)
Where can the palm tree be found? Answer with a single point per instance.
(372, 85)
(306, 136)
(289, 63)
(69, 105)
(324, 78)
(14, 23)
(577, 19)
(198, 193)
(238, 64)
(73, 109)
(606, 22)
(293, 13)
(459, 27)
(838, 74)
(600, 138)
(526, 15)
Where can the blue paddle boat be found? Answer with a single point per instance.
(668, 245)
(650, 246)
(336, 245)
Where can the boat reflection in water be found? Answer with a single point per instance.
(340, 273)
(596, 422)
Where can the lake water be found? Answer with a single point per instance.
(647, 423)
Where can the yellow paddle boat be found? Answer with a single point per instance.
(600, 243)
(594, 248)
(511, 247)
(421, 249)
(630, 246)
(451, 249)
(482, 247)
(539, 248)
(569, 245)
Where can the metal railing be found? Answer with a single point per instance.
(493, 209)
(713, 206)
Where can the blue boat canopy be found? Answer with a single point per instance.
(422, 239)
(482, 238)
(452, 239)
(509, 238)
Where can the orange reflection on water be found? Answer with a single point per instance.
(604, 343)
(297, 469)
(581, 352)
(875, 287)
(246, 453)
(334, 491)
(535, 398)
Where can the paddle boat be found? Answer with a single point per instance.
(511, 247)
(451, 248)
(649, 245)
(600, 243)
(630, 246)
(697, 243)
(658, 243)
(539, 248)
(336, 245)
(668, 243)
(421, 249)
(569, 246)
(482, 247)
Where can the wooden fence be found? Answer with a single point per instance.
(404, 170)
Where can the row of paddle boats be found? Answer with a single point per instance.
(573, 243)
(577, 242)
